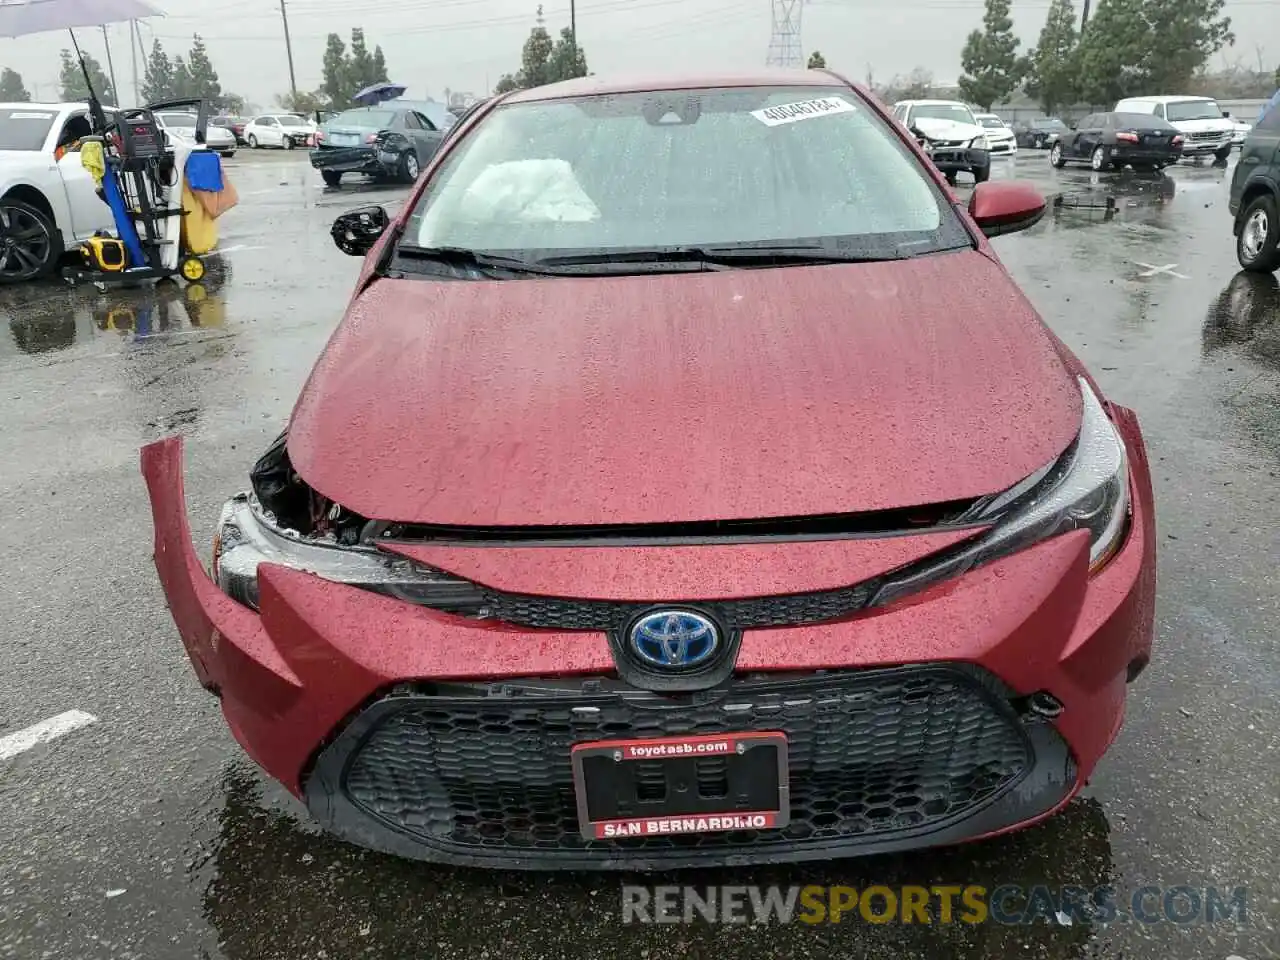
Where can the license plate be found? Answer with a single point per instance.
(681, 785)
(344, 139)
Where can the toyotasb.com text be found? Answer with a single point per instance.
(935, 904)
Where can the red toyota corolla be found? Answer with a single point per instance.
(687, 483)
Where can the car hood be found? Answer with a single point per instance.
(1208, 125)
(683, 397)
(948, 129)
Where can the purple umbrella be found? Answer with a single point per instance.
(377, 93)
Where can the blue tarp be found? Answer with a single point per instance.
(204, 171)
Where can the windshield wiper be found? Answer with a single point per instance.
(464, 257)
(721, 258)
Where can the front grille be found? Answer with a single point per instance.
(561, 613)
(1208, 136)
(484, 770)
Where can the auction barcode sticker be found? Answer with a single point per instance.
(802, 110)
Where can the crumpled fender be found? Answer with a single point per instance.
(203, 614)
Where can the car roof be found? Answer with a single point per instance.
(1173, 99)
(641, 82)
(23, 105)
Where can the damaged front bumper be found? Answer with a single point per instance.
(326, 684)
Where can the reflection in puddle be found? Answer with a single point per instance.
(1246, 314)
(45, 318)
(280, 889)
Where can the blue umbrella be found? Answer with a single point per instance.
(377, 93)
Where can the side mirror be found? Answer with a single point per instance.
(356, 231)
(1008, 207)
(1227, 114)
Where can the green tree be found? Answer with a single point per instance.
(506, 83)
(1052, 74)
(992, 67)
(335, 82)
(535, 59)
(202, 78)
(1184, 34)
(71, 78)
(158, 76)
(364, 68)
(181, 79)
(307, 102)
(567, 59)
(817, 61)
(1111, 53)
(12, 89)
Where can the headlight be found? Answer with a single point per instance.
(979, 143)
(1087, 488)
(244, 539)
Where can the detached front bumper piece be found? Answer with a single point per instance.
(956, 159)
(973, 707)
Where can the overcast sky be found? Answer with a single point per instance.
(466, 44)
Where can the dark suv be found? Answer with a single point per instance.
(1255, 196)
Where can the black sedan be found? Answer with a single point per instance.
(1112, 141)
(386, 141)
(1038, 134)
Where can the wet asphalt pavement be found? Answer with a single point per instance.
(149, 835)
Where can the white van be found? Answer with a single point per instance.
(1199, 119)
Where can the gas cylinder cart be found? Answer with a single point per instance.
(150, 178)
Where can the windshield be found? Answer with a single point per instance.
(955, 112)
(370, 119)
(177, 119)
(1193, 110)
(288, 121)
(24, 129)
(681, 168)
(991, 122)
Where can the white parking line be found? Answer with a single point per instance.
(43, 732)
(1151, 271)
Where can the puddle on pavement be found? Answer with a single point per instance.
(275, 885)
(49, 317)
(1246, 315)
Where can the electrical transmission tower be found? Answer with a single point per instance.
(785, 49)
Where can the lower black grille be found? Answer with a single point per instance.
(484, 769)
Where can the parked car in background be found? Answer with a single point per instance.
(1001, 139)
(182, 124)
(441, 117)
(1204, 129)
(383, 141)
(1112, 141)
(235, 124)
(1038, 134)
(1255, 197)
(48, 200)
(284, 130)
(956, 141)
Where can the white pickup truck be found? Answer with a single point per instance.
(1200, 120)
